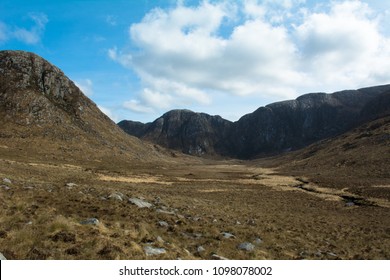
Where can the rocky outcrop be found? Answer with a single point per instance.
(275, 128)
(192, 133)
(38, 100)
(290, 125)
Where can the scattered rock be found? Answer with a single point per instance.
(200, 249)
(257, 241)
(246, 246)
(140, 203)
(116, 196)
(2, 258)
(349, 204)
(160, 240)
(165, 212)
(5, 187)
(90, 221)
(152, 251)
(332, 254)
(70, 185)
(218, 257)
(228, 235)
(163, 224)
(7, 181)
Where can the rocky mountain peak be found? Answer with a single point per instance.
(271, 129)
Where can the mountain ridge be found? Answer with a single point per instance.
(271, 129)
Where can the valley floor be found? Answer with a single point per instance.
(198, 209)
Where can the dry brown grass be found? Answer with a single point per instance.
(40, 216)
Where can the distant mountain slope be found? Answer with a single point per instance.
(275, 128)
(192, 133)
(358, 160)
(38, 101)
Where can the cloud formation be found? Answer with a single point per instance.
(190, 54)
(31, 35)
(86, 86)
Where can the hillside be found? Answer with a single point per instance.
(44, 114)
(273, 129)
(357, 160)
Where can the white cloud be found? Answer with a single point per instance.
(86, 86)
(136, 106)
(3, 32)
(33, 34)
(343, 47)
(182, 57)
(111, 20)
(109, 113)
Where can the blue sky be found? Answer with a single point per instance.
(139, 59)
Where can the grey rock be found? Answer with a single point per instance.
(5, 187)
(7, 181)
(90, 221)
(165, 212)
(200, 249)
(152, 251)
(70, 185)
(160, 240)
(2, 258)
(228, 235)
(246, 246)
(140, 203)
(163, 224)
(116, 196)
(218, 257)
(258, 241)
(349, 204)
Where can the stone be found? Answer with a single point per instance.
(165, 212)
(5, 187)
(200, 249)
(7, 181)
(246, 246)
(70, 185)
(349, 204)
(218, 257)
(140, 203)
(90, 221)
(257, 241)
(163, 224)
(2, 258)
(116, 196)
(160, 240)
(152, 251)
(228, 235)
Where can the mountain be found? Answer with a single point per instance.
(275, 128)
(357, 160)
(192, 133)
(42, 109)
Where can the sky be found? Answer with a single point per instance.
(139, 59)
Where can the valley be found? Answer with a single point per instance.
(196, 209)
(73, 185)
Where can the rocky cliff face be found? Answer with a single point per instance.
(275, 128)
(192, 133)
(38, 100)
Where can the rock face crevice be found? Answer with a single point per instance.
(272, 129)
